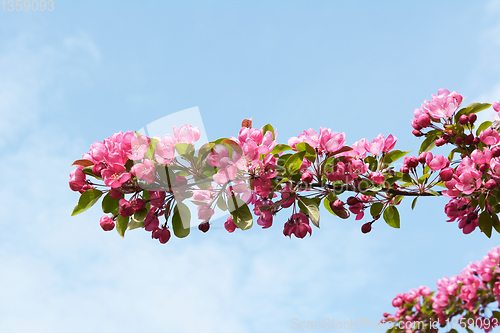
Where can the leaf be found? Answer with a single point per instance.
(133, 224)
(373, 163)
(121, 225)
(376, 208)
(342, 150)
(83, 163)
(88, 171)
(305, 147)
(496, 222)
(87, 200)
(280, 147)
(141, 215)
(413, 203)
(110, 205)
(240, 212)
(294, 162)
(427, 144)
(327, 202)
(268, 128)
(236, 147)
(221, 203)
(181, 220)
(311, 207)
(485, 223)
(184, 149)
(483, 127)
(394, 156)
(496, 314)
(391, 216)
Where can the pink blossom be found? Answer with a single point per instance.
(151, 221)
(186, 134)
(267, 144)
(144, 171)
(496, 106)
(329, 141)
(139, 147)
(77, 179)
(443, 105)
(468, 182)
(481, 157)
(115, 175)
(389, 143)
(437, 162)
(310, 136)
(377, 177)
(165, 149)
(376, 146)
(205, 212)
(229, 225)
(489, 136)
(126, 208)
(265, 219)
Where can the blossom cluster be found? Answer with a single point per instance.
(466, 295)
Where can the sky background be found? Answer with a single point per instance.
(86, 70)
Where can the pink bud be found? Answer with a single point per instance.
(472, 118)
(484, 167)
(126, 208)
(440, 142)
(463, 119)
(115, 194)
(412, 162)
(138, 204)
(107, 223)
(424, 120)
(307, 177)
(491, 184)
(229, 225)
(164, 236)
(422, 157)
(446, 174)
(495, 151)
(417, 133)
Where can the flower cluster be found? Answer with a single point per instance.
(466, 295)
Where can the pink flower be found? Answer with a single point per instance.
(165, 149)
(377, 177)
(376, 146)
(389, 143)
(139, 147)
(310, 136)
(329, 141)
(496, 106)
(186, 134)
(490, 136)
(443, 105)
(151, 221)
(126, 208)
(115, 175)
(468, 182)
(298, 225)
(481, 157)
(229, 225)
(205, 212)
(144, 171)
(436, 162)
(265, 219)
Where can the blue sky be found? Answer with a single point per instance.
(88, 69)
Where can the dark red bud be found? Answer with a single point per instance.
(491, 184)
(495, 152)
(476, 141)
(351, 201)
(417, 133)
(115, 194)
(424, 120)
(366, 228)
(138, 204)
(446, 174)
(459, 140)
(469, 139)
(484, 167)
(204, 226)
(463, 119)
(472, 118)
(440, 142)
(412, 162)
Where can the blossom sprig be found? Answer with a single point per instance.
(144, 179)
(465, 299)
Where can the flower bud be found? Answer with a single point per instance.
(138, 204)
(459, 140)
(229, 225)
(351, 201)
(97, 168)
(366, 228)
(490, 184)
(307, 177)
(107, 223)
(469, 139)
(204, 226)
(164, 236)
(472, 118)
(484, 167)
(424, 120)
(495, 151)
(338, 208)
(405, 169)
(412, 162)
(440, 142)
(476, 141)
(115, 194)
(126, 208)
(446, 174)
(464, 120)
(422, 157)
(417, 133)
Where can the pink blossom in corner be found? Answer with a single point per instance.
(115, 175)
(144, 171)
(186, 134)
(489, 136)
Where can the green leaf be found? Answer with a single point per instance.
(185, 149)
(391, 216)
(496, 314)
(394, 155)
(181, 220)
(294, 162)
(87, 200)
(88, 171)
(311, 208)
(133, 224)
(376, 208)
(413, 203)
(483, 127)
(373, 163)
(268, 128)
(121, 225)
(221, 203)
(240, 212)
(428, 144)
(140, 216)
(486, 223)
(110, 205)
(305, 147)
(280, 147)
(327, 202)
